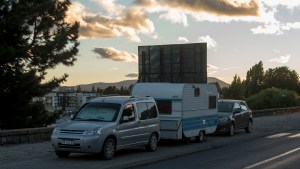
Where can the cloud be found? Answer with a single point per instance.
(219, 8)
(281, 59)
(276, 28)
(211, 44)
(290, 4)
(116, 55)
(175, 16)
(132, 75)
(211, 69)
(182, 39)
(119, 21)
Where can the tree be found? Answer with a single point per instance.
(93, 89)
(34, 37)
(283, 78)
(235, 90)
(254, 79)
(78, 90)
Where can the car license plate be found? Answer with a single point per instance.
(68, 142)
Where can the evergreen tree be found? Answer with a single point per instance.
(34, 37)
(236, 89)
(254, 79)
(78, 90)
(93, 89)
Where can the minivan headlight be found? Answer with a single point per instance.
(94, 132)
(55, 131)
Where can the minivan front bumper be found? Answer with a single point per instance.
(77, 143)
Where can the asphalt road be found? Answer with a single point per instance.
(42, 156)
(276, 151)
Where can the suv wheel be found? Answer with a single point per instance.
(248, 129)
(231, 130)
(108, 150)
(62, 154)
(152, 144)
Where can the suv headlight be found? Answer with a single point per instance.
(223, 119)
(94, 132)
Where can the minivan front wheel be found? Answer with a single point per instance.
(109, 148)
(152, 143)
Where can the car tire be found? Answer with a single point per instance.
(62, 154)
(152, 143)
(201, 137)
(248, 129)
(231, 130)
(109, 148)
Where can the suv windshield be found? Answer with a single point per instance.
(225, 107)
(98, 112)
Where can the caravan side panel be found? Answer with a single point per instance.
(197, 115)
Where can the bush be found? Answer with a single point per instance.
(33, 115)
(273, 98)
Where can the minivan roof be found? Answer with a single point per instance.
(119, 99)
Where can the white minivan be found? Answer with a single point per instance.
(107, 124)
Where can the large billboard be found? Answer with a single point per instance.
(174, 63)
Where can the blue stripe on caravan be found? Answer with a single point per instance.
(193, 123)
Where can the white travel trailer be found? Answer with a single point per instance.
(186, 110)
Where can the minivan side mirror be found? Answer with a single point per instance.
(236, 110)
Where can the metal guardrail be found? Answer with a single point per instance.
(277, 111)
(31, 135)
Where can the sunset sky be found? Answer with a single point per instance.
(239, 34)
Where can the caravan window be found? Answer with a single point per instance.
(212, 102)
(197, 92)
(164, 106)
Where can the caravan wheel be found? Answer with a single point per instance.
(201, 137)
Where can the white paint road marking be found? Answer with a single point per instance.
(296, 135)
(271, 159)
(278, 135)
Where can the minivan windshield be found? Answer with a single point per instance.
(106, 112)
(225, 107)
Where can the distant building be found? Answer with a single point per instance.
(66, 99)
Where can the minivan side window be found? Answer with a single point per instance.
(128, 113)
(146, 110)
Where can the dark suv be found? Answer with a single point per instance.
(233, 115)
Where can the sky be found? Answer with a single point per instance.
(238, 33)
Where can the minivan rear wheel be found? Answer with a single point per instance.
(152, 143)
(109, 148)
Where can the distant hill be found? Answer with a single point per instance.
(127, 83)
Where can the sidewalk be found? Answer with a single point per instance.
(263, 126)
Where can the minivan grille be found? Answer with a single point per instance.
(69, 143)
(78, 132)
